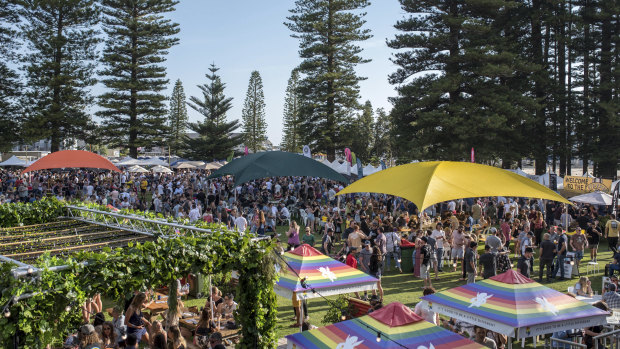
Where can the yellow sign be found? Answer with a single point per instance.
(587, 184)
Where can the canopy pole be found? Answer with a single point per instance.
(301, 315)
(509, 343)
(211, 303)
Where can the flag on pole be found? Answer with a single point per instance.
(383, 167)
(245, 152)
(353, 158)
(473, 158)
(231, 156)
(347, 155)
(307, 152)
(360, 170)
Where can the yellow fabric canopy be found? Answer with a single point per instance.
(427, 183)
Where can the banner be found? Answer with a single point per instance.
(245, 152)
(383, 167)
(306, 150)
(347, 155)
(360, 170)
(553, 182)
(231, 156)
(353, 159)
(473, 158)
(587, 184)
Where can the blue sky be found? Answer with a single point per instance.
(242, 35)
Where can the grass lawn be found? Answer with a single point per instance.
(407, 289)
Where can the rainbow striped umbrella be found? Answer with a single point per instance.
(395, 325)
(325, 275)
(515, 306)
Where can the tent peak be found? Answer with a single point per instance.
(306, 251)
(512, 277)
(395, 314)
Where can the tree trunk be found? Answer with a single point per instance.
(540, 125)
(607, 148)
(331, 102)
(585, 149)
(561, 87)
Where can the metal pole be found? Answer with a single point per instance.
(509, 343)
(211, 303)
(301, 314)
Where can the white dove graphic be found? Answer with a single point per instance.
(547, 305)
(327, 273)
(479, 300)
(430, 346)
(350, 343)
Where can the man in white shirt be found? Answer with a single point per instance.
(194, 214)
(440, 237)
(89, 189)
(240, 223)
(451, 206)
(284, 213)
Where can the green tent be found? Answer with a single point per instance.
(275, 164)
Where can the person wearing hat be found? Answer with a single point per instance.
(425, 257)
(88, 337)
(611, 297)
(493, 240)
(526, 262)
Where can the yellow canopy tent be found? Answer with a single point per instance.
(427, 183)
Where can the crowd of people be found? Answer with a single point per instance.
(131, 327)
(366, 231)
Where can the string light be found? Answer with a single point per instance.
(378, 337)
(7, 312)
(30, 271)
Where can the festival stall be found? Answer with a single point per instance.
(137, 169)
(594, 198)
(161, 169)
(311, 274)
(515, 306)
(14, 161)
(393, 326)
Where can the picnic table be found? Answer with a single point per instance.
(159, 305)
(191, 323)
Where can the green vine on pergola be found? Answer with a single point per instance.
(54, 310)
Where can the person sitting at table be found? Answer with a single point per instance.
(135, 322)
(591, 332)
(584, 287)
(157, 328)
(215, 339)
(216, 298)
(611, 297)
(204, 328)
(226, 309)
(178, 342)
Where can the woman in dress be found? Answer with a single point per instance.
(135, 322)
